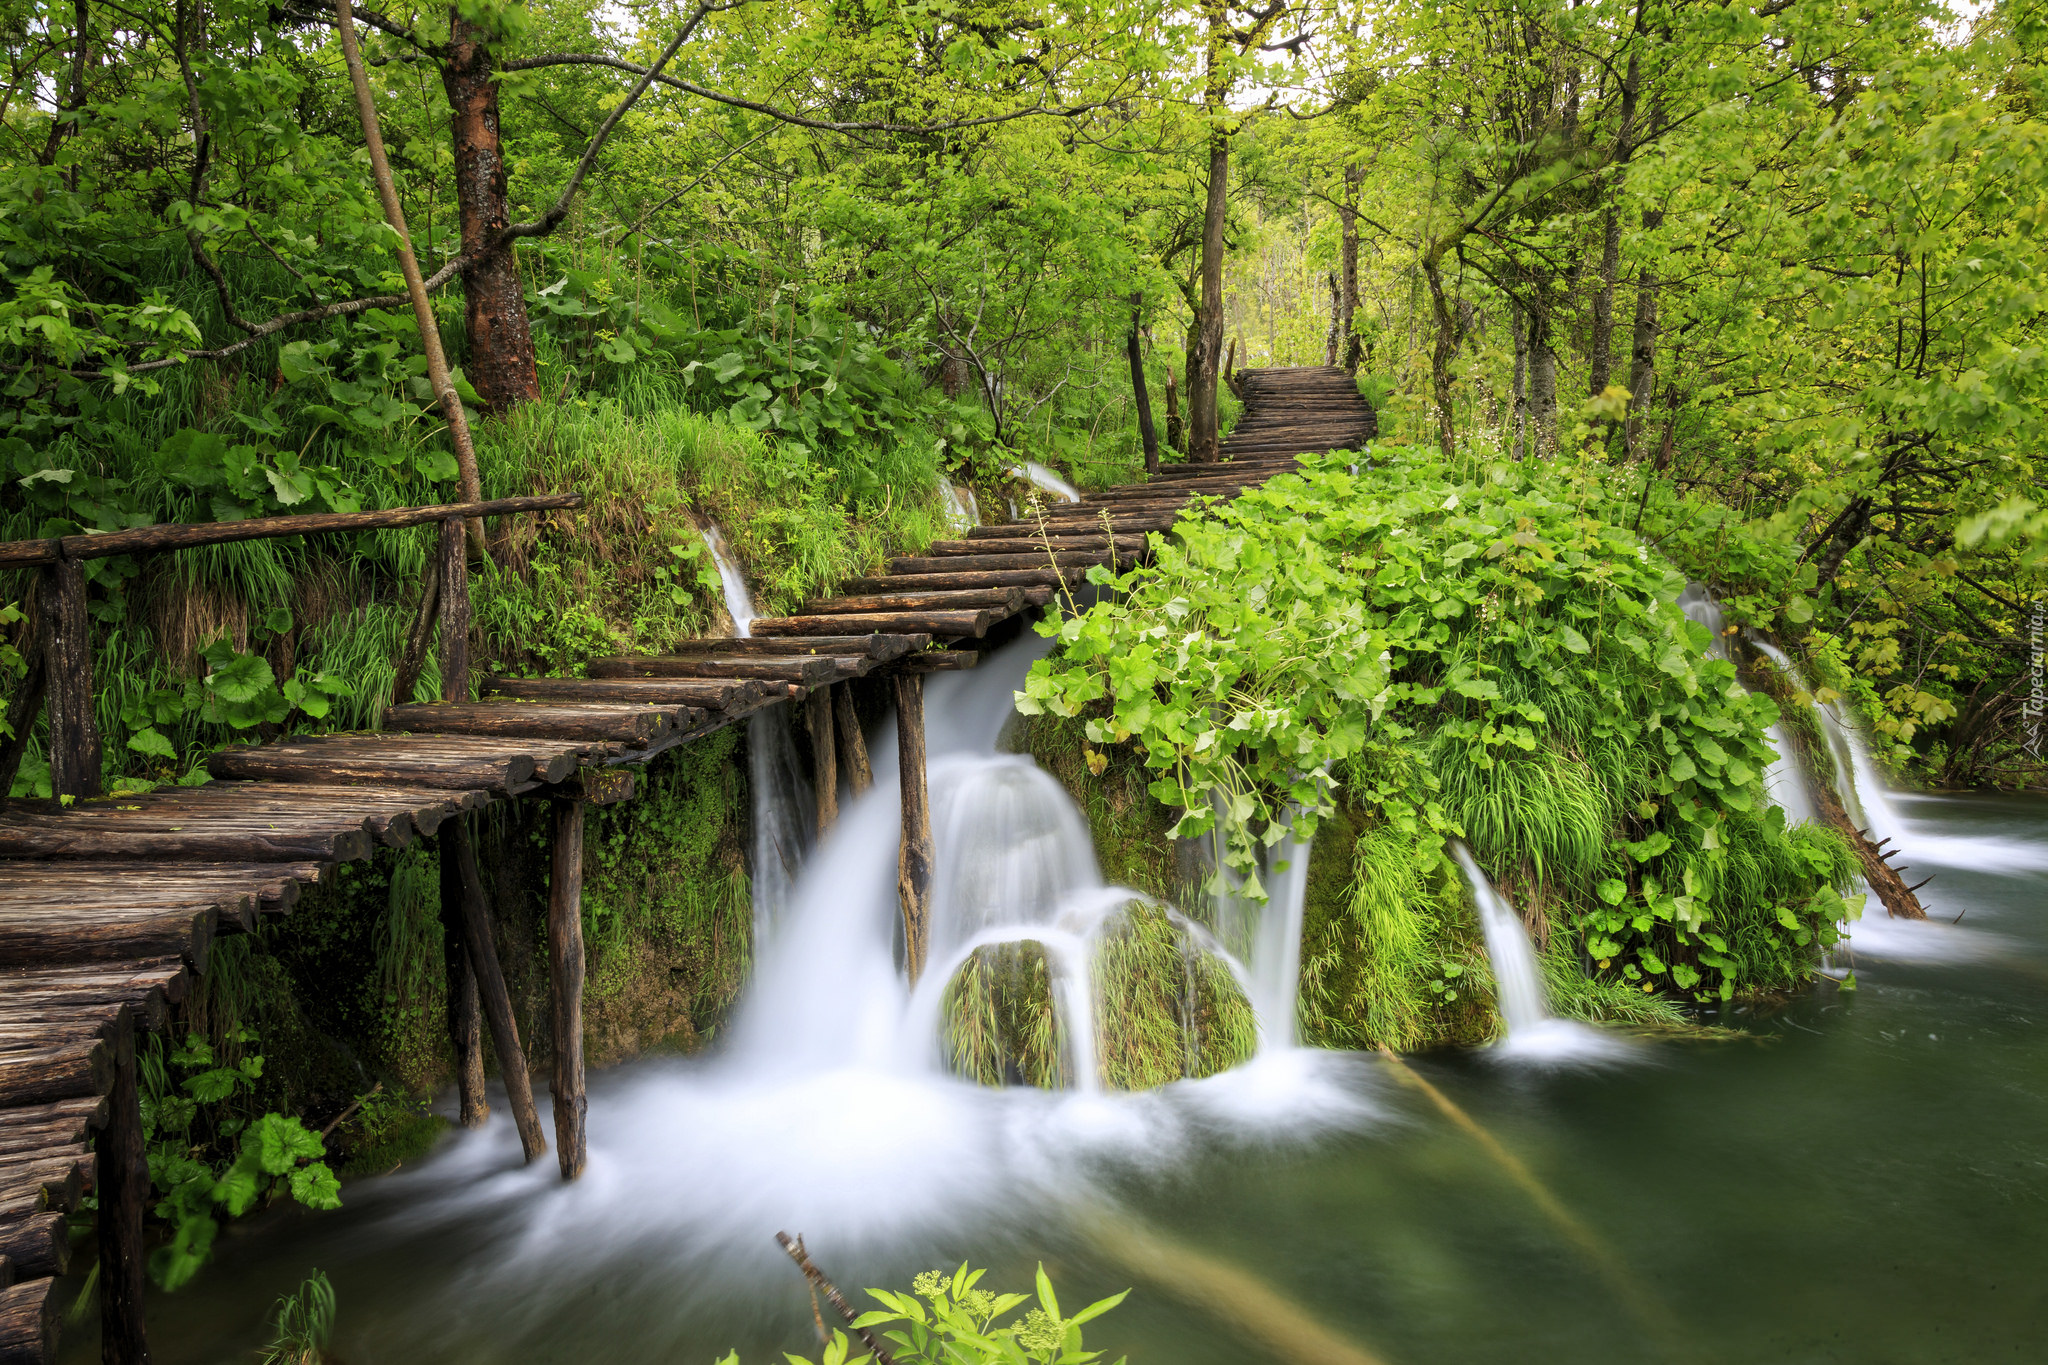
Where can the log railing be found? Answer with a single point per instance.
(60, 661)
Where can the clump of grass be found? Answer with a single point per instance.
(301, 1325)
(1002, 1026)
(1167, 1007)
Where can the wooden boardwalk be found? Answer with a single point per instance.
(109, 906)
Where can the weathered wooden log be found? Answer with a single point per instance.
(455, 610)
(1032, 543)
(875, 647)
(808, 670)
(710, 694)
(1026, 579)
(924, 564)
(28, 1323)
(74, 738)
(939, 661)
(635, 727)
(914, 851)
(6, 1271)
(853, 745)
(1007, 601)
(37, 1243)
(122, 1184)
(22, 554)
(565, 977)
(606, 786)
(824, 757)
(465, 1012)
(939, 623)
(90, 930)
(248, 841)
(497, 1000)
(66, 1070)
(318, 764)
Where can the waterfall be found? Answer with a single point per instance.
(1045, 481)
(1699, 604)
(783, 799)
(1265, 937)
(957, 506)
(1533, 1033)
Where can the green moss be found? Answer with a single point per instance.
(1166, 1007)
(1001, 1024)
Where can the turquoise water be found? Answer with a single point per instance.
(1857, 1176)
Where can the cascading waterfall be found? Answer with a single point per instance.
(782, 793)
(1045, 481)
(1784, 781)
(1266, 938)
(957, 506)
(1533, 1032)
(1699, 605)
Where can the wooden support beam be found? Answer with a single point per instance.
(824, 757)
(853, 745)
(914, 852)
(465, 1012)
(122, 1184)
(454, 614)
(74, 741)
(565, 976)
(28, 1322)
(490, 982)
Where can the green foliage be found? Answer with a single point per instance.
(209, 1158)
(301, 1324)
(1167, 1006)
(1482, 653)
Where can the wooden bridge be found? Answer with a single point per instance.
(109, 905)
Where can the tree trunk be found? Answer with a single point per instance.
(1147, 436)
(1542, 386)
(1176, 434)
(501, 360)
(1518, 416)
(1204, 362)
(1347, 267)
(1334, 341)
(1642, 369)
(1441, 354)
(1602, 361)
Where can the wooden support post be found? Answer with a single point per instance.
(454, 613)
(490, 981)
(853, 746)
(465, 1022)
(415, 656)
(121, 1181)
(914, 853)
(824, 756)
(75, 759)
(565, 972)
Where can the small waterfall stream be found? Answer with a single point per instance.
(783, 798)
(1533, 1033)
(957, 506)
(1045, 481)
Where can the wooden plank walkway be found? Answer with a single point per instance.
(109, 906)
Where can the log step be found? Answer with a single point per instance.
(805, 670)
(711, 694)
(877, 648)
(942, 624)
(633, 727)
(1005, 601)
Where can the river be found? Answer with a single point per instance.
(1858, 1176)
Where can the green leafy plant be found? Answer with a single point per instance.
(301, 1325)
(210, 1158)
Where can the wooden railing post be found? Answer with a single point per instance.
(454, 612)
(824, 756)
(121, 1180)
(75, 758)
(914, 853)
(565, 974)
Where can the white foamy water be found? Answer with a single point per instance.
(1533, 1033)
(957, 506)
(827, 1110)
(1881, 812)
(783, 800)
(1045, 481)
